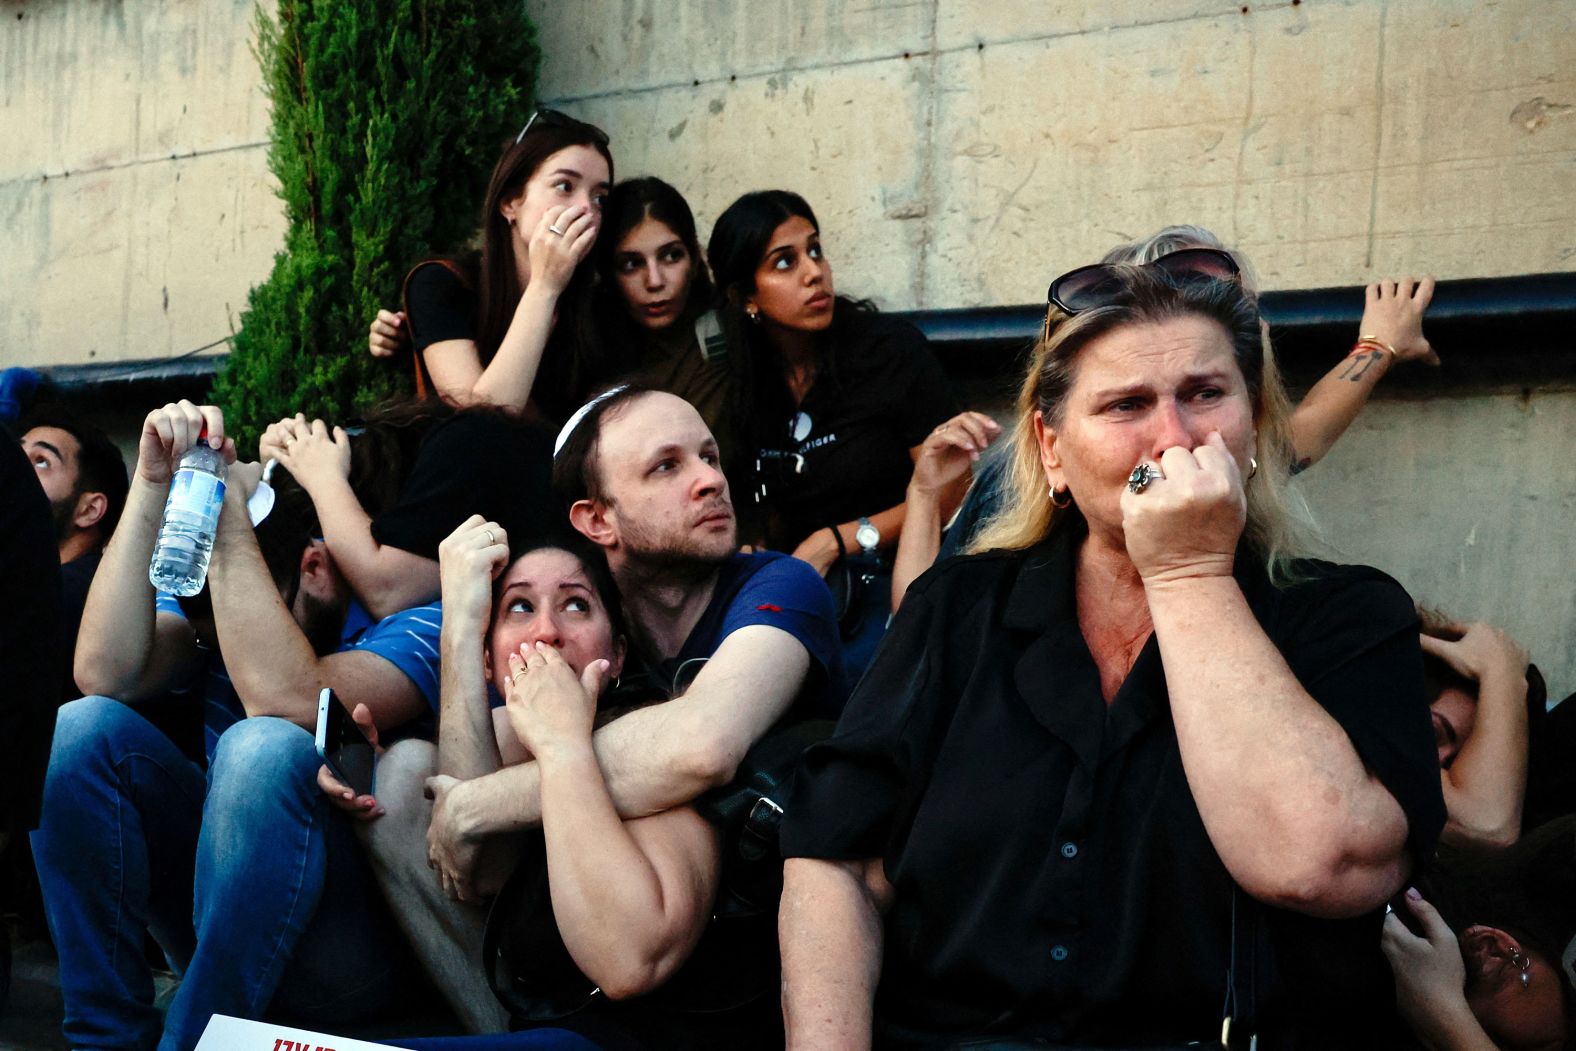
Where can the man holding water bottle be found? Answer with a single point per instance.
(253, 886)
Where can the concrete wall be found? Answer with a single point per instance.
(135, 204)
(1468, 501)
(960, 153)
(963, 152)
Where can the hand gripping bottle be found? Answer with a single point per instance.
(191, 517)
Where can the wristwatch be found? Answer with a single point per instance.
(867, 535)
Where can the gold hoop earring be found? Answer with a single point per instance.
(1065, 501)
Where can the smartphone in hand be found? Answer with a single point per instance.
(342, 745)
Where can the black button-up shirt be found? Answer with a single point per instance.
(1052, 875)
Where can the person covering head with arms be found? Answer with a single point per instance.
(1071, 750)
(1480, 697)
(515, 327)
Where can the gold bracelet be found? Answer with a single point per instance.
(1377, 342)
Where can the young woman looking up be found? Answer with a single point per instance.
(512, 325)
(660, 296)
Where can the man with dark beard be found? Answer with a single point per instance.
(84, 477)
(233, 869)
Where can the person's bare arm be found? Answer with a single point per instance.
(941, 470)
(1484, 787)
(124, 649)
(821, 549)
(506, 381)
(829, 927)
(386, 579)
(470, 558)
(654, 758)
(667, 754)
(1287, 802)
(269, 660)
(1393, 313)
(631, 898)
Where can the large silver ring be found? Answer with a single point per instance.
(556, 230)
(1142, 475)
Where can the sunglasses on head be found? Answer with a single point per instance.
(551, 118)
(1095, 286)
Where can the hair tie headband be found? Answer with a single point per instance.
(581, 413)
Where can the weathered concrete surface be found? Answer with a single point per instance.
(135, 201)
(1334, 141)
(1469, 503)
(796, 131)
(960, 152)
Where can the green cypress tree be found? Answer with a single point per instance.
(387, 116)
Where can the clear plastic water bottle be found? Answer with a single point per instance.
(191, 518)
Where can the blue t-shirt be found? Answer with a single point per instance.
(781, 591)
(408, 640)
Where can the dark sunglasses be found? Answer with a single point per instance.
(1095, 286)
(551, 118)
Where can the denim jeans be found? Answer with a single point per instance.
(254, 886)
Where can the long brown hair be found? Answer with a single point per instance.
(575, 359)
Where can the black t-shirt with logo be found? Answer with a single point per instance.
(844, 452)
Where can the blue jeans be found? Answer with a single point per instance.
(251, 882)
